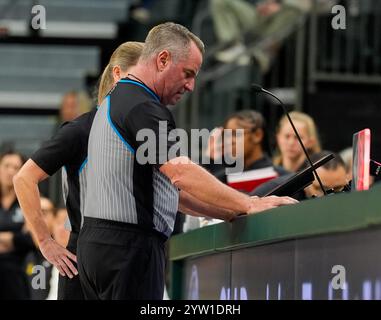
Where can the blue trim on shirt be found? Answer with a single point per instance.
(144, 87)
(82, 166)
(115, 129)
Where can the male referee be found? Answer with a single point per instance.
(131, 207)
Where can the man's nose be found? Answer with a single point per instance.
(189, 86)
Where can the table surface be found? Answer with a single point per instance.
(331, 214)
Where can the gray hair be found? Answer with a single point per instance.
(172, 37)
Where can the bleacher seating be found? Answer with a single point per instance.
(35, 76)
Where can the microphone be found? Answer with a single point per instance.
(258, 88)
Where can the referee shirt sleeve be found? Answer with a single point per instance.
(59, 150)
(154, 122)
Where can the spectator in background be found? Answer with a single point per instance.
(347, 156)
(332, 174)
(268, 20)
(258, 167)
(15, 241)
(290, 154)
(73, 105)
(140, 10)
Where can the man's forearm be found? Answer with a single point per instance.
(203, 186)
(193, 206)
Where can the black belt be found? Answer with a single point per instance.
(124, 226)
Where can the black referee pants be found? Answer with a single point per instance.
(120, 261)
(70, 289)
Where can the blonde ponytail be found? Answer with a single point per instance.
(125, 56)
(105, 83)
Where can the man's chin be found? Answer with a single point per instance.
(174, 101)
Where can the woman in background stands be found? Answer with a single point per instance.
(290, 154)
(15, 241)
(258, 167)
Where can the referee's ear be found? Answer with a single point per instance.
(116, 73)
(162, 60)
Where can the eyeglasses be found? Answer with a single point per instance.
(345, 188)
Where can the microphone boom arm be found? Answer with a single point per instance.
(260, 89)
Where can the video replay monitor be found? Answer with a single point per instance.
(361, 160)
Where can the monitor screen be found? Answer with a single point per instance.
(361, 159)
